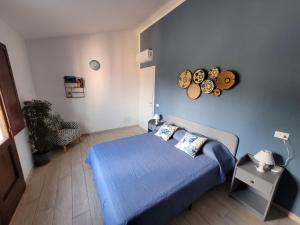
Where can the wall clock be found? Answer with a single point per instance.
(94, 64)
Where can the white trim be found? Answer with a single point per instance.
(290, 215)
(151, 69)
(27, 179)
(156, 16)
(160, 13)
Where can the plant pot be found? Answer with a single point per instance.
(41, 159)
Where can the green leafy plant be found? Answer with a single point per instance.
(38, 117)
(54, 122)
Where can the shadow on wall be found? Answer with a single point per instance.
(288, 188)
(289, 181)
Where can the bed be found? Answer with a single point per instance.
(145, 180)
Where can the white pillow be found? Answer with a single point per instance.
(166, 131)
(190, 144)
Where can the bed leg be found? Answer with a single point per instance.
(65, 148)
(190, 207)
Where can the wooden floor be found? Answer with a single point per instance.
(63, 193)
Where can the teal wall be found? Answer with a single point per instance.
(260, 40)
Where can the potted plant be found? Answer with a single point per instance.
(37, 116)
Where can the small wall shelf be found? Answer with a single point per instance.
(74, 87)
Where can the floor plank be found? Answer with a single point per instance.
(79, 191)
(44, 217)
(35, 184)
(63, 205)
(63, 193)
(24, 214)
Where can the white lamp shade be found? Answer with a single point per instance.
(156, 116)
(265, 156)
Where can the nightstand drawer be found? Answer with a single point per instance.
(254, 181)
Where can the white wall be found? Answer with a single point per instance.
(22, 74)
(111, 93)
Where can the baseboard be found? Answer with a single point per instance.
(289, 214)
(109, 130)
(29, 176)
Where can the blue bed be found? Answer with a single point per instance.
(145, 180)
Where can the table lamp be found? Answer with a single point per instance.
(156, 117)
(265, 160)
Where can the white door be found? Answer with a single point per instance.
(146, 95)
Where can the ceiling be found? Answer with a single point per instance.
(51, 18)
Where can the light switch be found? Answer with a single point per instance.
(157, 105)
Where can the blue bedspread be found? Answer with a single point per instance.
(145, 180)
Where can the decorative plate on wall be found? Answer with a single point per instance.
(184, 79)
(217, 92)
(198, 82)
(193, 91)
(207, 86)
(213, 72)
(225, 80)
(199, 76)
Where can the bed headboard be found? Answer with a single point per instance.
(231, 141)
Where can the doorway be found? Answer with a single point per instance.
(146, 95)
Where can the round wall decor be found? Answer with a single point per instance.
(213, 72)
(217, 92)
(184, 79)
(94, 64)
(226, 80)
(207, 86)
(199, 76)
(193, 91)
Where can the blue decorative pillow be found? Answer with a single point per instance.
(179, 133)
(166, 131)
(190, 144)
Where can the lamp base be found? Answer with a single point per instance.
(156, 122)
(276, 169)
(260, 168)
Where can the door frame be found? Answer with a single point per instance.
(13, 128)
(18, 187)
(11, 199)
(153, 87)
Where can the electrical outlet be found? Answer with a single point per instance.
(282, 135)
(157, 105)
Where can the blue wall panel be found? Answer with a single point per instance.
(260, 40)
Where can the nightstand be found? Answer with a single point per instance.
(253, 189)
(152, 126)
